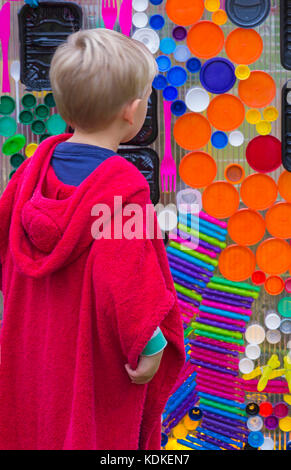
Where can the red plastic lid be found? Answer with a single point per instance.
(258, 277)
(264, 154)
(266, 409)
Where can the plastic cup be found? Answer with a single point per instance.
(16, 160)
(30, 149)
(253, 351)
(26, 117)
(7, 105)
(272, 320)
(197, 99)
(164, 63)
(8, 126)
(253, 116)
(28, 101)
(42, 111)
(167, 45)
(246, 365)
(242, 72)
(179, 33)
(236, 138)
(37, 127)
(219, 140)
(178, 108)
(160, 82)
(149, 38)
(140, 20)
(49, 100)
(140, 5)
(157, 22)
(193, 65)
(55, 125)
(273, 336)
(170, 93)
(13, 144)
(255, 334)
(182, 53)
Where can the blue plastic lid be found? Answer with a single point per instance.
(255, 439)
(219, 140)
(179, 33)
(193, 65)
(164, 439)
(156, 2)
(160, 82)
(170, 93)
(247, 13)
(177, 76)
(178, 108)
(182, 53)
(288, 446)
(195, 414)
(164, 63)
(217, 75)
(157, 22)
(167, 45)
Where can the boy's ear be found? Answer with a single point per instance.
(130, 111)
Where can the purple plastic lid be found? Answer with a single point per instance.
(217, 75)
(179, 33)
(271, 422)
(281, 410)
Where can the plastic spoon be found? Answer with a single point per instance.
(15, 74)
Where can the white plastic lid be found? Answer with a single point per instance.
(253, 351)
(255, 423)
(197, 99)
(255, 334)
(268, 444)
(273, 336)
(189, 201)
(140, 5)
(236, 138)
(167, 219)
(149, 38)
(140, 20)
(246, 365)
(272, 321)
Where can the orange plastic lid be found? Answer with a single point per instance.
(226, 112)
(205, 39)
(197, 169)
(244, 46)
(274, 256)
(278, 220)
(274, 285)
(258, 90)
(237, 263)
(246, 227)
(192, 131)
(184, 12)
(219, 17)
(220, 199)
(284, 185)
(258, 191)
(234, 173)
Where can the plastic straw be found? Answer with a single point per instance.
(212, 347)
(206, 238)
(206, 260)
(202, 325)
(229, 321)
(202, 228)
(209, 218)
(218, 393)
(187, 292)
(182, 262)
(224, 307)
(213, 367)
(220, 325)
(233, 290)
(209, 334)
(192, 245)
(196, 262)
(233, 347)
(240, 285)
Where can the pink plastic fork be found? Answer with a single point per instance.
(4, 38)
(168, 165)
(109, 13)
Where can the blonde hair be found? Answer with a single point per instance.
(96, 72)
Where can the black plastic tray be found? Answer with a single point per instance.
(41, 30)
(149, 132)
(286, 126)
(285, 33)
(147, 162)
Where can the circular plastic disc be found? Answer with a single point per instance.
(281, 410)
(247, 13)
(253, 116)
(271, 113)
(197, 99)
(212, 5)
(285, 327)
(246, 227)
(236, 138)
(30, 149)
(56, 125)
(234, 173)
(263, 153)
(285, 424)
(288, 285)
(220, 199)
(274, 256)
(244, 46)
(284, 307)
(219, 139)
(258, 90)
(226, 112)
(140, 20)
(167, 219)
(157, 22)
(179, 33)
(167, 45)
(264, 127)
(217, 75)
(28, 100)
(164, 63)
(184, 12)
(140, 5)
(246, 365)
(7, 104)
(42, 111)
(192, 131)
(253, 351)
(273, 336)
(258, 191)
(49, 100)
(219, 17)
(25, 117)
(242, 72)
(266, 409)
(258, 278)
(205, 39)
(182, 53)
(193, 65)
(13, 144)
(160, 82)
(178, 108)
(236, 263)
(16, 160)
(8, 126)
(255, 334)
(148, 37)
(284, 185)
(177, 76)
(274, 285)
(197, 169)
(272, 319)
(170, 93)
(278, 220)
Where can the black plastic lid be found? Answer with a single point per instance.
(252, 409)
(247, 13)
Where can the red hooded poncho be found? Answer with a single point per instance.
(76, 310)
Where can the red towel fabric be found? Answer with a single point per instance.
(76, 310)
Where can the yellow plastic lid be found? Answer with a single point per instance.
(30, 149)
(253, 116)
(242, 72)
(264, 127)
(271, 113)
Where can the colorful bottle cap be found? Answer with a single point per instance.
(255, 423)
(170, 93)
(43, 137)
(288, 285)
(270, 113)
(274, 285)
(11, 174)
(157, 22)
(212, 5)
(253, 351)
(37, 127)
(164, 63)
(192, 131)
(198, 39)
(219, 17)
(284, 307)
(285, 326)
(273, 256)
(288, 445)
(185, 13)
(217, 75)
(30, 149)
(182, 53)
(7, 104)
(236, 263)
(8, 126)
(164, 439)
(272, 321)
(140, 20)
(255, 439)
(258, 191)
(28, 101)
(278, 220)
(264, 153)
(266, 409)
(193, 65)
(244, 46)
(197, 99)
(16, 160)
(285, 424)
(258, 90)
(246, 227)
(255, 334)
(178, 108)
(226, 112)
(179, 431)
(253, 116)
(219, 139)
(234, 173)
(281, 410)
(197, 169)
(13, 144)
(246, 365)
(242, 72)
(140, 5)
(26, 117)
(56, 125)
(258, 278)
(177, 76)
(167, 45)
(42, 111)
(271, 422)
(49, 100)
(160, 82)
(156, 2)
(284, 185)
(268, 444)
(220, 200)
(247, 14)
(236, 138)
(264, 127)
(149, 38)
(273, 336)
(179, 33)
(252, 409)
(195, 414)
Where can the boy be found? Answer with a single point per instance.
(86, 319)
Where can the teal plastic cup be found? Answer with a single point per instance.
(28, 101)
(25, 117)
(49, 100)
(42, 111)
(7, 104)
(37, 127)
(8, 126)
(16, 160)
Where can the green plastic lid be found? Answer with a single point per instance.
(8, 126)
(7, 104)
(38, 127)
(11, 174)
(284, 307)
(13, 144)
(49, 100)
(16, 160)
(43, 137)
(42, 111)
(56, 125)
(28, 100)
(26, 116)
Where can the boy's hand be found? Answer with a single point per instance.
(146, 369)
